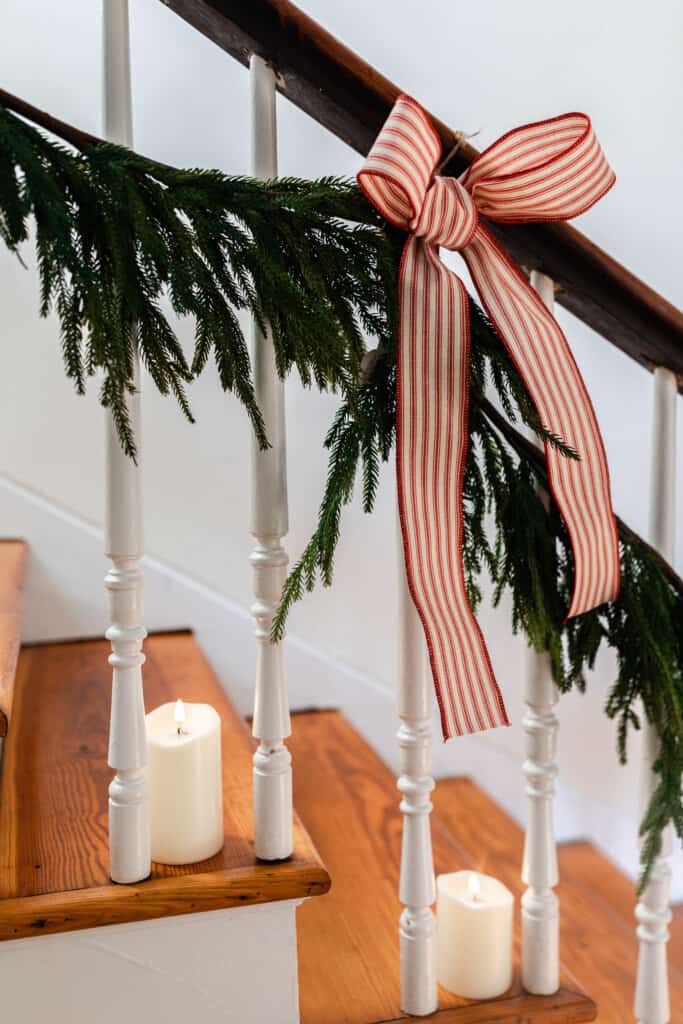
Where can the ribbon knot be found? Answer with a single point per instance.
(448, 216)
(551, 170)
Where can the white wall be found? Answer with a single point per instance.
(483, 67)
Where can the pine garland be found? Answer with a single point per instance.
(115, 232)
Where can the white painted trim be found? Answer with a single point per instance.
(64, 600)
(417, 885)
(269, 524)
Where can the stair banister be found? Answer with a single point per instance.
(269, 524)
(653, 913)
(540, 905)
(129, 839)
(419, 993)
(352, 99)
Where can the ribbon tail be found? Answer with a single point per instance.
(539, 349)
(431, 446)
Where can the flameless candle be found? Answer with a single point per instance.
(185, 782)
(474, 918)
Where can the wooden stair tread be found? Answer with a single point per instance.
(597, 928)
(676, 940)
(348, 942)
(13, 558)
(54, 799)
(581, 863)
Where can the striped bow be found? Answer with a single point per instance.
(552, 170)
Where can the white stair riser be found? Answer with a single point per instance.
(227, 965)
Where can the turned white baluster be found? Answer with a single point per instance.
(269, 523)
(540, 905)
(417, 887)
(652, 987)
(129, 844)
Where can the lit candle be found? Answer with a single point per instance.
(474, 915)
(185, 782)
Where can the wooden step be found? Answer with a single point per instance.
(53, 800)
(13, 558)
(597, 928)
(582, 864)
(348, 942)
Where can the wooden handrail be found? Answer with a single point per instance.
(352, 99)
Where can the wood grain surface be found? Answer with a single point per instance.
(582, 865)
(564, 1007)
(597, 927)
(348, 941)
(352, 99)
(53, 810)
(13, 557)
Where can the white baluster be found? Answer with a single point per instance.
(129, 845)
(540, 905)
(272, 760)
(652, 987)
(417, 891)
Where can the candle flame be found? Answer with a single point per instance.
(179, 714)
(474, 885)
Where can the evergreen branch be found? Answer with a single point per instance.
(527, 451)
(115, 232)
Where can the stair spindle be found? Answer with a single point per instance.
(269, 523)
(417, 892)
(129, 841)
(540, 904)
(651, 1004)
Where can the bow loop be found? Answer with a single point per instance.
(398, 169)
(550, 170)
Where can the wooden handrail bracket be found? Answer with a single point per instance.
(352, 99)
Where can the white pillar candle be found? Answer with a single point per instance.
(185, 782)
(474, 922)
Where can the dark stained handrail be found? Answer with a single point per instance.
(346, 95)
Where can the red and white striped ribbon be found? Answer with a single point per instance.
(552, 170)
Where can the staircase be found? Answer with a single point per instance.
(54, 859)
(349, 971)
(146, 951)
(219, 938)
